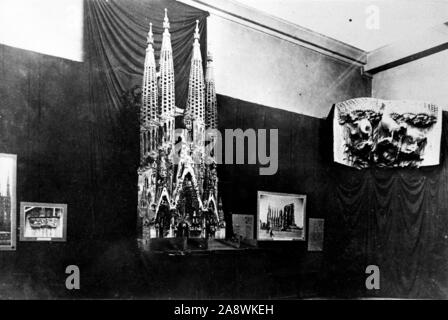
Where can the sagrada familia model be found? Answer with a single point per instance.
(178, 184)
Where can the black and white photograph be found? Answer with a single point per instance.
(281, 216)
(8, 163)
(223, 150)
(43, 221)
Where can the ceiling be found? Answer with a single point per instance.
(345, 20)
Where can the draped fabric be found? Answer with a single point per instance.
(115, 45)
(116, 32)
(395, 219)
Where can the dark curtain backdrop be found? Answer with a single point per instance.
(393, 218)
(115, 43)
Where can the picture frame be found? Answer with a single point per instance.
(43, 221)
(281, 216)
(8, 183)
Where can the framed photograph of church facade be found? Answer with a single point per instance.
(8, 167)
(281, 216)
(43, 221)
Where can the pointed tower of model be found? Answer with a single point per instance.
(167, 93)
(211, 113)
(149, 137)
(211, 124)
(194, 111)
(149, 108)
(166, 127)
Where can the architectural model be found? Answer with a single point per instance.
(178, 183)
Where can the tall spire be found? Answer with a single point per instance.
(196, 31)
(150, 39)
(195, 108)
(167, 95)
(167, 72)
(149, 92)
(196, 45)
(149, 108)
(195, 102)
(211, 110)
(166, 22)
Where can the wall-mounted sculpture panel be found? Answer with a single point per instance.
(371, 132)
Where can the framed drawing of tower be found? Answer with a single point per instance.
(8, 165)
(281, 216)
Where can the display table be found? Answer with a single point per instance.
(184, 245)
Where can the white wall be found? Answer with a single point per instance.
(258, 67)
(346, 20)
(423, 79)
(53, 27)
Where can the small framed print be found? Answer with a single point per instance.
(315, 234)
(8, 165)
(281, 216)
(243, 225)
(43, 221)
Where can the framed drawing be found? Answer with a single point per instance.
(8, 165)
(43, 221)
(281, 216)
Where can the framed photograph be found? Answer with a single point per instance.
(281, 216)
(8, 165)
(43, 221)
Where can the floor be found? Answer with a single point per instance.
(120, 270)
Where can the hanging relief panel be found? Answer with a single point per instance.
(372, 132)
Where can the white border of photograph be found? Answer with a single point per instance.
(296, 216)
(13, 183)
(43, 205)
